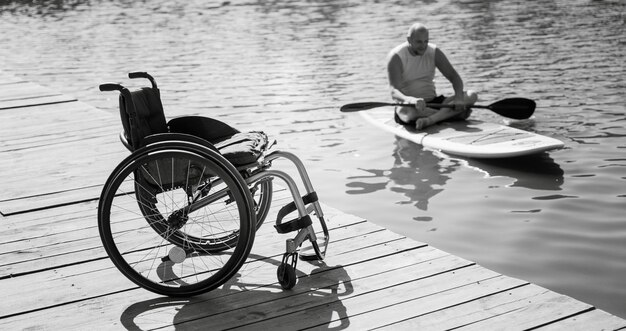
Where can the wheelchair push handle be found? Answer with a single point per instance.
(143, 74)
(111, 87)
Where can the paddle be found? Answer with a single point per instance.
(516, 108)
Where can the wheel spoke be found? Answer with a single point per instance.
(145, 219)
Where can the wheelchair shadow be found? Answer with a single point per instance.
(323, 289)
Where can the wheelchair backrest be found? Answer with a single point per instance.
(142, 115)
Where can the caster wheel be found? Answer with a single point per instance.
(286, 276)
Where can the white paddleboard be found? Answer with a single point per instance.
(471, 138)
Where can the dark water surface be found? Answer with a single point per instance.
(555, 219)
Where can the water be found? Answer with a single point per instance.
(555, 219)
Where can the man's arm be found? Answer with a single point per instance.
(394, 73)
(446, 68)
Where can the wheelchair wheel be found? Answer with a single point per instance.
(177, 219)
(286, 276)
(262, 195)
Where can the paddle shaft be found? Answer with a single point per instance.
(431, 105)
(447, 105)
(517, 108)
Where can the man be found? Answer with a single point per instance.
(411, 70)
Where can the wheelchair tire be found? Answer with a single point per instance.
(177, 219)
(286, 275)
(262, 201)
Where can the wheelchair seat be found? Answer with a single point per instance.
(239, 148)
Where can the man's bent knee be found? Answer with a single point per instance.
(407, 114)
(470, 97)
(465, 114)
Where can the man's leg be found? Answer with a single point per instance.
(406, 115)
(470, 99)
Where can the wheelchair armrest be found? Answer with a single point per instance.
(111, 87)
(160, 137)
(125, 141)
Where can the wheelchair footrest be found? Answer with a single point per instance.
(294, 225)
(297, 223)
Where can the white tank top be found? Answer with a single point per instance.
(418, 72)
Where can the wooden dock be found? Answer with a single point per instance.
(55, 154)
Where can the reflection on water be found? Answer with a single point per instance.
(287, 66)
(537, 172)
(419, 174)
(416, 173)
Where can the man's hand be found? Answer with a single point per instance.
(418, 103)
(461, 109)
(459, 104)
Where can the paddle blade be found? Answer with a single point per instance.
(363, 106)
(516, 108)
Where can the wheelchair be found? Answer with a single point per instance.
(179, 215)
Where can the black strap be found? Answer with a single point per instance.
(297, 223)
(294, 225)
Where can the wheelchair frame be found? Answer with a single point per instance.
(166, 149)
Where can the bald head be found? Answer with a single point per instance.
(417, 37)
(417, 28)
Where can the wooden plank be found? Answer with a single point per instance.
(48, 138)
(77, 241)
(340, 285)
(533, 314)
(591, 320)
(121, 299)
(20, 120)
(49, 124)
(25, 90)
(68, 235)
(364, 297)
(77, 165)
(9, 105)
(46, 234)
(79, 140)
(9, 79)
(430, 303)
(58, 167)
(466, 313)
(248, 289)
(49, 200)
(19, 93)
(36, 228)
(56, 283)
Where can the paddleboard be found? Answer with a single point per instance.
(470, 138)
